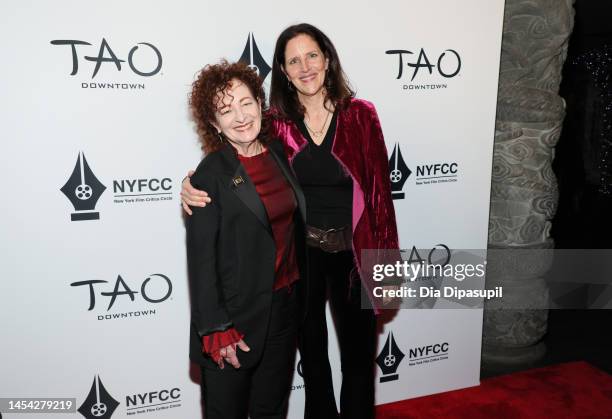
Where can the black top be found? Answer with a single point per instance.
(327, 187)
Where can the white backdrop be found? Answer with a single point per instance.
(60, 330)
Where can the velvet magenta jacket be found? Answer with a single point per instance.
(360, 148)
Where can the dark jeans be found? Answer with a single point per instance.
(262, 391)
(356, 331)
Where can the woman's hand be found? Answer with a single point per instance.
(192, 196)
(229, 354)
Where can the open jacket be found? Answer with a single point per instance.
(360, 149)
(231, 253)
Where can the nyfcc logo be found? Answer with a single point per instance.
(83, 189)
(427, 354)
(428, 173)
(437, 172)
(153, 401)
(398, 173)
(130, 191)
(251, 56)
(99, 404)
(389, 359)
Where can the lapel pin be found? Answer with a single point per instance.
(238, 180)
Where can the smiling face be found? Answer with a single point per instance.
(305, 65)
(238, 114)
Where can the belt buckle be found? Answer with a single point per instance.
(323, 242)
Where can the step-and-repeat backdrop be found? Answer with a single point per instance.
(97, 136)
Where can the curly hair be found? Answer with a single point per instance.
(213, 80)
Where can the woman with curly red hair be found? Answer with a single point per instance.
(244, 251)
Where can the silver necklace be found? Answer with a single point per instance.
(319, 133)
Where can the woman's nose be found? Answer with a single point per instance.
(239, 114)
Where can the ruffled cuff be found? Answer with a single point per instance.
(212, 343)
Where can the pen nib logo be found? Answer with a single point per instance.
(398, 173)
(389, 359)
(98, 404)
(83, 190)
(252, 58)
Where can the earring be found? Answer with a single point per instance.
(289, 84)
(220, 136)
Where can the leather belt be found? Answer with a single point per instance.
(333, 240)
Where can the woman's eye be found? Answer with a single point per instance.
(224, 111)
(314, 55)
(293, 61)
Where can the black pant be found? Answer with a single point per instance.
(356, 331)
(262, 391)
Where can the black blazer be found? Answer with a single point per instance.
(231, 253)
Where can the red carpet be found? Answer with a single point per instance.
(572, 390)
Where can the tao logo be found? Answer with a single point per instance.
(107, 55)
(440, 254)
(121, 288)
(447, 65)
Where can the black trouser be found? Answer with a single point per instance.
(356, 331)
(262, 391)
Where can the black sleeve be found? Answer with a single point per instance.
(208, 312)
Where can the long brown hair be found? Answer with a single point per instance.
(283, 98)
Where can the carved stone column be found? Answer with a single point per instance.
(524, 189)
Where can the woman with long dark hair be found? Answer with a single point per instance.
(336, 148)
